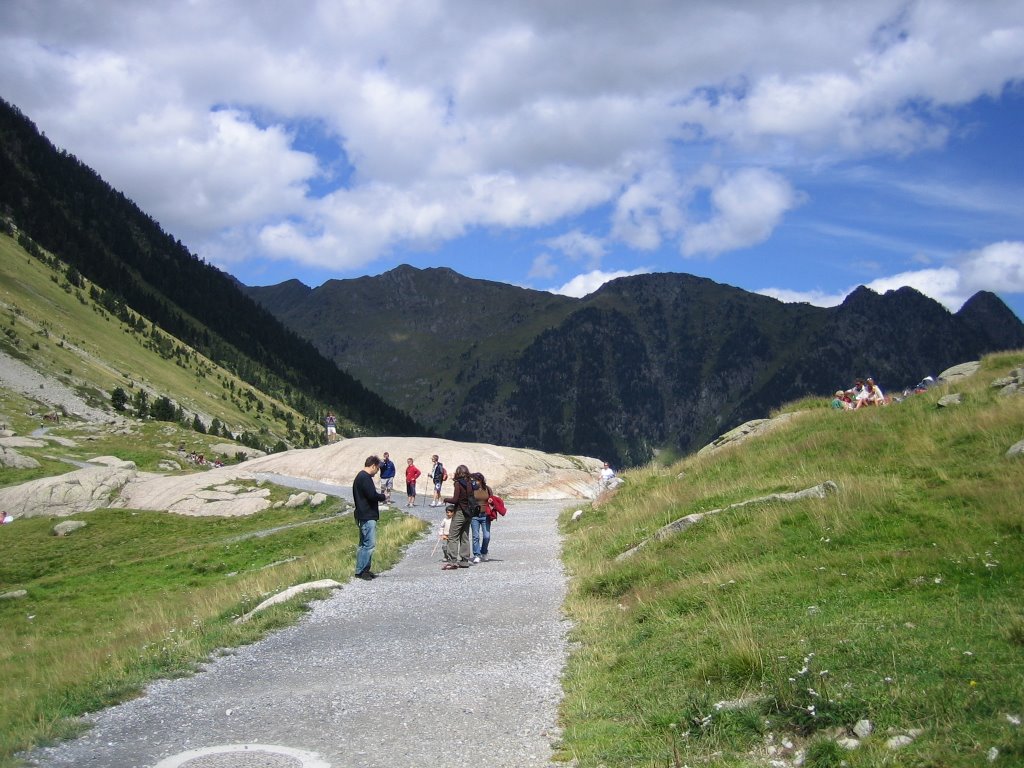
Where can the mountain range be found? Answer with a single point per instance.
(646, 363)
(649, 362)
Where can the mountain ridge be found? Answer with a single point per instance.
(646, 362)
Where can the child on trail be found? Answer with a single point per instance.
(442, 536)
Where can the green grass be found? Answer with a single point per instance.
(135, 596)
(896, 600)
(58, 330)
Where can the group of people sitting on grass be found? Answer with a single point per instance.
(863, 393)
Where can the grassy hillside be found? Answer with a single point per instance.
(768, 631)
(62, 331)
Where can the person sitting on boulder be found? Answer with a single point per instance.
(607, 474)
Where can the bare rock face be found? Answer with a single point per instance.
(80, 491)
(518, 473)
(12, 459)
(203, 494)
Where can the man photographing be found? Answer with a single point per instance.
(366, 499)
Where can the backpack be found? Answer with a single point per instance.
(444, 474)
(473, 509)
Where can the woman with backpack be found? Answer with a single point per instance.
(457, 551)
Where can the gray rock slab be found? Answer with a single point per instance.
(419, 667)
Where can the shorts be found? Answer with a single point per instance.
(386, 484)
(410, 489)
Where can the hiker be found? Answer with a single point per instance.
(412, 474)
(387, 477)
(366, 515)
(6, 518)
(438, 476)
(607, 473)
(480, 522)
(457, 550)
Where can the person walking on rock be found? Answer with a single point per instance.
(367, 513)
(457, 550)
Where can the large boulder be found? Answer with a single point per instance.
(12, 459)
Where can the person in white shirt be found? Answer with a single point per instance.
(607, 473)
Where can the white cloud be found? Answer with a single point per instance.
(579, 246)
(543, 267)
(747, 206)
(457, 115)
(581, 285)
(649, 210)
(998, 268)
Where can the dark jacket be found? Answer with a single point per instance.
(462, 493)
(387, 469)
(366, 497)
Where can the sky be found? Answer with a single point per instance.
(795, 149)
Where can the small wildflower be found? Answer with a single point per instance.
(1013, 720)
(888, 680)
(938, 579)
(973, 683)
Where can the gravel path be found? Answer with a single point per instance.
(420, 667)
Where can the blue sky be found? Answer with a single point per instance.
(797, 149)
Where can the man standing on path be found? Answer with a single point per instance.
(387, 477)
(437, 477)
(366, 498)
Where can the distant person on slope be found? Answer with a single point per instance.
(366, 499)
(607, 474)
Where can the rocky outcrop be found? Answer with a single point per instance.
(678, 526)
(516, 473)
(68, 526)
(746, 431)
(80, 491)
(288, 594)
(215, 493)
(11, 459)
